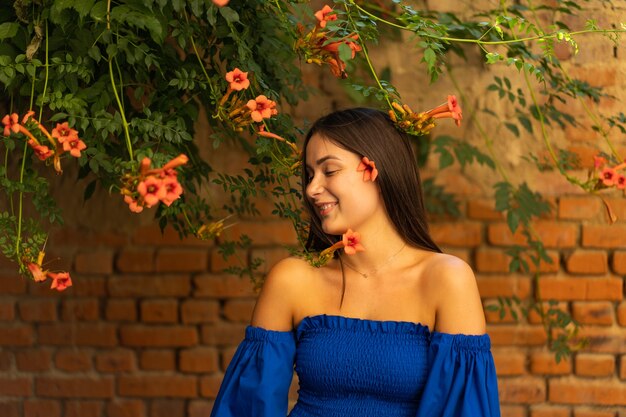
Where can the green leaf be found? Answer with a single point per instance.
(229, 14)
(512, 219)
(525, 123)
(513, 128)
(89, 190)
(8, 30)
(345, 53)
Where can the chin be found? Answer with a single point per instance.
(331, 229)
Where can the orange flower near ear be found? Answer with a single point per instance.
(238, 79)
(325, 15)
(369, 169)
(351, 242)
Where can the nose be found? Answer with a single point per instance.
(314, 187)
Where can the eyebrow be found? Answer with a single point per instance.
(324, 159)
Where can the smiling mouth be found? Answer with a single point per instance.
(326, 208)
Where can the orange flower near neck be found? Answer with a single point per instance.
(351, 242)
(369, 169)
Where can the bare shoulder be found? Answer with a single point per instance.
(452, 284)
(282, 287)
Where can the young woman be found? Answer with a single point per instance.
(395, 329)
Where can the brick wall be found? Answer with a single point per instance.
(151, 323)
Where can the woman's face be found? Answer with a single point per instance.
(342, 200)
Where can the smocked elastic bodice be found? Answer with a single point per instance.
(353, 367)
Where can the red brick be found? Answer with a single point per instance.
(12, 284)
(581, 288)
(199, 408)
(7, 310)
(135, 260)
(548, 309)
(494, 260)
(38, 310)
(119, 360)
(128, 408)
(621, 313)
(167, 408)
(121, 310)
(552, 234)
(210, 385)
(152, 236)
(79, 334)
(509, 362)
(602, 236)
(511, 335)
(270, 257)
(88, 286)
(16, 335)
(571, 390)
(33, 360)
(10, 409)
(604, 339)
(157, 360)
(81, 238)
(483, 210)
(94, 262)
(593, 412)
(618, 207)
(200, 359)
(544, 363)
(6, 360)
(598, 312)
(267, 233)
(87, 309)
(503, 286)
(83, 409)
(587, 262)
(72, 360)
(509, 410)
(239, 310)
(149, 286)
(579, 208)
(219, 264)
(524, 390)
(593, 364)
(74, 387)
(182, 260)
(456, 234)
(220, 334)
(543, 410)
(226, 355)
(42, 408)
(619, 262)
(159, 311)
(200, 311)
(15, 387)
(158, 336)
(158, 386)
(222, 286)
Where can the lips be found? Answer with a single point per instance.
(325, 208)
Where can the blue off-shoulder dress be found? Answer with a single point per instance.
(350, 367)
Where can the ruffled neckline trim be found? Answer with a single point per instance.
(324, 321)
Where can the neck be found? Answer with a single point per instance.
(381, 247)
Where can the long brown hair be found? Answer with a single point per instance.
(371, 133)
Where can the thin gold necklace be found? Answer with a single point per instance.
(375, 270)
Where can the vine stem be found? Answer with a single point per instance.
(129, 145)
(367, 59)
(478, 41)
(45, 83)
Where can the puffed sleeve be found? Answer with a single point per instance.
(256, 383)
(462, 378)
